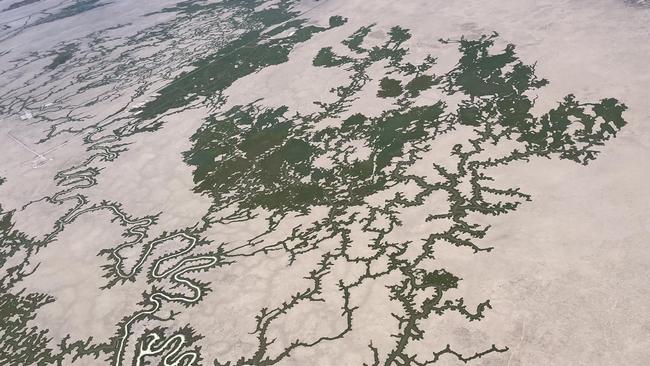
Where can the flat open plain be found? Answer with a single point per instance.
(333, 182)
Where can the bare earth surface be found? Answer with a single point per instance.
(333, 182)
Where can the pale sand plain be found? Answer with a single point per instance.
(567, 280)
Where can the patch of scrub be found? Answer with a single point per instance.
(19, 4)
(79, 7)
(63, 56)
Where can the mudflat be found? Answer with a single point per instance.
(333, 182)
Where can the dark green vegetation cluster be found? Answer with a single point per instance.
(254, 157)
(62, 56)
(19, 4)
(20, 343)
(76, 8)
(252, 52)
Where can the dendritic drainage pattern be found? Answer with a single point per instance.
(328, 190)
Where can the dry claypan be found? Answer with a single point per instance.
(324, 182)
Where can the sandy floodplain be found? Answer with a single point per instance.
(324, 182)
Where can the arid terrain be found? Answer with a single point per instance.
(333, 182)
